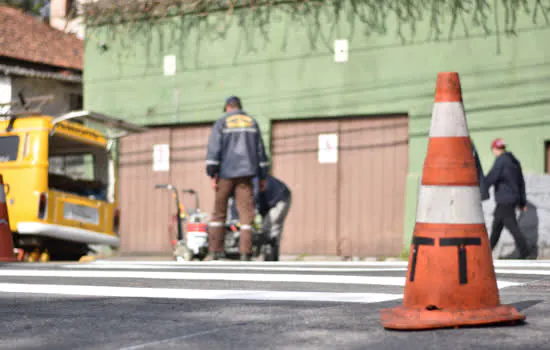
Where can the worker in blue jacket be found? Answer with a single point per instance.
(235, 155)
(273, 204)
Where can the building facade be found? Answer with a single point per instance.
(344, 106)
(37, 60)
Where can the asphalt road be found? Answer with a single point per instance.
(225, 305)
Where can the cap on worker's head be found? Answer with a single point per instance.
(233, 101)
(498, 143)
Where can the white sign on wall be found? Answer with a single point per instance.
(341, 50)
(161, 157)
(328, 148)
(169, 65)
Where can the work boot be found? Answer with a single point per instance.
(246, 257)
(214, 256)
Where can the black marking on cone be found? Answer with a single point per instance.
(461, 244)
(417, 242)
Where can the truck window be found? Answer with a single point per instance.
(78, 168)
(9, 146)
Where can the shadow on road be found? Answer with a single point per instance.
(524, 305)
(529, 225)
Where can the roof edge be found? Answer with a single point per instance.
(34, 73)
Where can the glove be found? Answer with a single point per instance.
(212, 170)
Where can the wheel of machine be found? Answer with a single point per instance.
(267, 252)
(187, 254)
(270, 252)
(182, 253)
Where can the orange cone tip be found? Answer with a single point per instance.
(447, 88)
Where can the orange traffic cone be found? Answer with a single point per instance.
(451, 279)
(6, 239)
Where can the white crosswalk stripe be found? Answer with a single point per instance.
(343, 282)
(203, 294)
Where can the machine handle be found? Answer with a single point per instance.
(193, 192)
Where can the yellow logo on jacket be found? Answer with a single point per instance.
(238, 121)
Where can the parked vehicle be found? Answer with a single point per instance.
(61, 179)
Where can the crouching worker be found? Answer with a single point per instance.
(273, 204)
(235, 155)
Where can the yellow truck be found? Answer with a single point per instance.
(60, 180)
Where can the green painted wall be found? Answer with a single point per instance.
(282, 67)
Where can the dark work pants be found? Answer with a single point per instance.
(505, 216)
(244, 198)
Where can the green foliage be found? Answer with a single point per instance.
(372, 12)
(33, 7)
(376, 17)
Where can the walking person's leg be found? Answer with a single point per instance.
(497, 226)
(244, 197)
(511, 223)
(216, 226)
(276, 219)
(266, 230)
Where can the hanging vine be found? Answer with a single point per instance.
(134, 15)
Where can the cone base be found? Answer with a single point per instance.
(402, 318)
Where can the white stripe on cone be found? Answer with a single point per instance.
(449, 205)
(448, 120)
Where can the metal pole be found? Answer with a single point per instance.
(180, 228)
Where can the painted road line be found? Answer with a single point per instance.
(247, 277)
(253, 263)
(263, 268)
(527, 269)
(354, 264)
(199, 294)
(181, 337)
(522, 263)
(237, 268)
(523, 272)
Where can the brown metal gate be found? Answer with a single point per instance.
(353, 207)
(146, 213)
